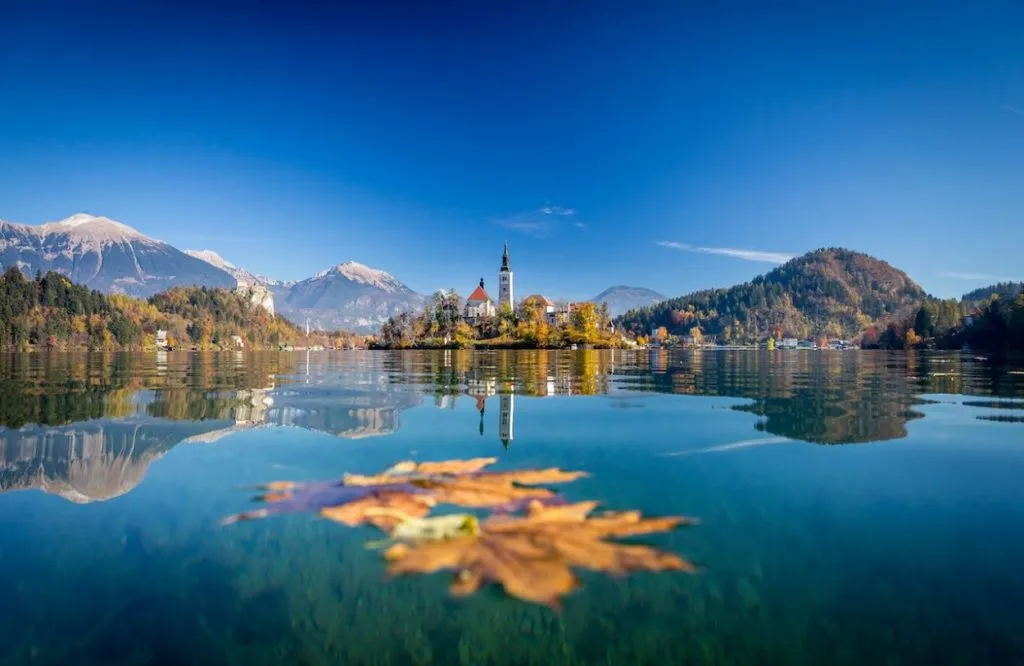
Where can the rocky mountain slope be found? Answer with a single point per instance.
(253, 287)
(104, 255)
(621, 299)
(834, 292)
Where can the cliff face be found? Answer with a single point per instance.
(258, 294)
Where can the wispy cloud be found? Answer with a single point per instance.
(748, 255)
(541, 223)
(1013, 109)
(978, 277)
(525, 224)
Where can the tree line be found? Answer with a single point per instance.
(995, 323)
(441, 324)
(52, 312)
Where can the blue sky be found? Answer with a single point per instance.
(670, 145)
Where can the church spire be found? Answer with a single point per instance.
(504, 259)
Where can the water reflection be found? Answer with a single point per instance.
(91, 461)
(86, 427)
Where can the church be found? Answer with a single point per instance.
(479, 304)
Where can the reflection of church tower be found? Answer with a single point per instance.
(505, 296)
(507, 418)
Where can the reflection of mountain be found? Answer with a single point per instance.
(89, 461)
(345, 412)
(97, 460)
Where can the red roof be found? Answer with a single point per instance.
(479, 295)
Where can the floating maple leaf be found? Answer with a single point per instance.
(288, 497)
(410, 489)
(532, 556)
(461, 482)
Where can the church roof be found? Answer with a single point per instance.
(479, 294)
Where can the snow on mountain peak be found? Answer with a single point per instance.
(362, 274)
(93, 227)
(212, 258)
(75, 220)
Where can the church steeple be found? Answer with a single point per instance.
(505, 294)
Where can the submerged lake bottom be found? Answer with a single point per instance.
(854, 507)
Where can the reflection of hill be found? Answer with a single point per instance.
(822, 397)
(90, 461)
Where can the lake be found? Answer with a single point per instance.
(855, 507)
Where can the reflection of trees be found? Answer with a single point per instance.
(822, 397)
(160, 400)
(54, 389)
(814, 396)
(526, 372)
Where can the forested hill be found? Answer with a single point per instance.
(51, 311)
(1004, 290)
(832, 292)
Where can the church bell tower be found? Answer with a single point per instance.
(505, 281)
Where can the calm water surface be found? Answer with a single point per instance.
(856, 507)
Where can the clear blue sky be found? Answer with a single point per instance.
(417, 139)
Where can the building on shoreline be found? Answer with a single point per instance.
(479, 304)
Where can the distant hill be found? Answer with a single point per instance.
(105, 255)
(834, 292)
(1005, 290)
(348, 296)
(621, 299)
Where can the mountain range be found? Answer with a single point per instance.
(115, 258)
(112, 257)
(833, 291)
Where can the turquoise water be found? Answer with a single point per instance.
(855, 507)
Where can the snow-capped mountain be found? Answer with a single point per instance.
(105, 255)
(349, 296)
(240, 274)
(361, 274)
